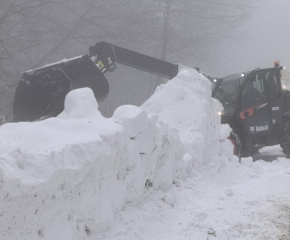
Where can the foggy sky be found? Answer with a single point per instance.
(267, 39)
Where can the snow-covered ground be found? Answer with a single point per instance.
(225, 201)
(164, 170)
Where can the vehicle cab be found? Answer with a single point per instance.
(253, 106)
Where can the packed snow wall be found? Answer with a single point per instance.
(185, 104)
(66, 177)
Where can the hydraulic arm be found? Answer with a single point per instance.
(109, 53)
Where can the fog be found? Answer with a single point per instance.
(220, 37)
(264, 39)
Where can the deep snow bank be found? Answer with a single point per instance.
(185, 104)
(66, 177)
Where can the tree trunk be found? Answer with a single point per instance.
(164, 41)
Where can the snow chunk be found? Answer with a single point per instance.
(187, 161)
(132, 118)
(271, 150)
(247, 161)
(80, 103)
(225, 131)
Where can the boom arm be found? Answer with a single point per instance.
(105, 55)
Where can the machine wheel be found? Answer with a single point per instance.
(236, 141)
(285, 137)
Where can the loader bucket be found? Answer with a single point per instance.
(41, 92)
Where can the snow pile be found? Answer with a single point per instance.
(67, 177)
(185, 103)
(226, 146)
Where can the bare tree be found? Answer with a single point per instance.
(34, 32)
(25, 26)
(178, 31)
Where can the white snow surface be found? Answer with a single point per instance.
(164, 170)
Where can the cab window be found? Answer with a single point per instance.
(272, 84)
(254, 91)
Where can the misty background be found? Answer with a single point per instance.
(219, 36)
(265, 38)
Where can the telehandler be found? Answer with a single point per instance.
(255, 104)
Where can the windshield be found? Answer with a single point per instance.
(227, 92)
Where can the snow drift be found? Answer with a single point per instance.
(67, 177)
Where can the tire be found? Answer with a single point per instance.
(285, 137)
(236, 141)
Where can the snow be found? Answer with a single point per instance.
(271, 150)
(185, 104)
(229, 202)
(164, 170)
